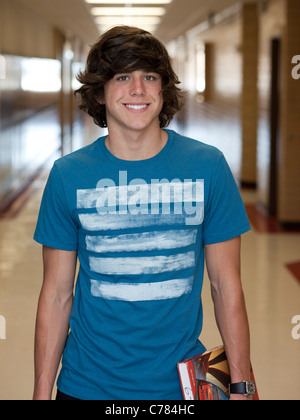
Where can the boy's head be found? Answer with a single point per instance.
(126, 49)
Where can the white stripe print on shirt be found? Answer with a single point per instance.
(150, 207)
(134, 292)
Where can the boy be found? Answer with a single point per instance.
(138, 208)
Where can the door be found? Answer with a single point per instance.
(274, 125)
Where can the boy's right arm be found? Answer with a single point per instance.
(52, 324)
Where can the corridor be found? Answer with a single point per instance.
(237, 65)
(271, 287)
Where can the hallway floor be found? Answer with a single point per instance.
(270, 270)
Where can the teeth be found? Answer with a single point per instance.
(137, 107)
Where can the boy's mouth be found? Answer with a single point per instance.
(137, 107)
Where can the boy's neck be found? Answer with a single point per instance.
(138, 145)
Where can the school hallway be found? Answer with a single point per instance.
(271, 280)
(238, 65)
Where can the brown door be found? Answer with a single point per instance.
(274, 126)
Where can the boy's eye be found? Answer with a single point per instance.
(126, 77)
(150, 78)
(122, 78)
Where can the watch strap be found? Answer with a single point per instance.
(243, 388)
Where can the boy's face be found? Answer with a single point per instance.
(134, 100)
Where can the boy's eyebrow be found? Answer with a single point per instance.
(132, 71)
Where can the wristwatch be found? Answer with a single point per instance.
(246, 388)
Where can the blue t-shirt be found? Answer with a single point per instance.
(139, 228)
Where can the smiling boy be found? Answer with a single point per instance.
(133, 104)
(141, 209)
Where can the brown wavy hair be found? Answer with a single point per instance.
(127, 49)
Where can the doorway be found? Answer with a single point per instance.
(274, 126)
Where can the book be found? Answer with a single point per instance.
(207, 376)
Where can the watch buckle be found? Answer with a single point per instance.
(250, 389)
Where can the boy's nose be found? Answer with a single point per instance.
(137, 87)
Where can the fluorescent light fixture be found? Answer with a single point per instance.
(128, 11)
(129, 2)
(128, 20)
(149, 28)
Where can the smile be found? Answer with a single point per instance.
(137, 107)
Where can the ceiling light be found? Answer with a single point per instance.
(128, 20)
(149, 28)
(131, 2)
(128, 11)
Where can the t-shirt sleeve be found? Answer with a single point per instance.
(56, 227)
(225, 213)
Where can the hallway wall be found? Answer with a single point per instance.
(24, 33)
(37, 109)
(272, 23)
(214, 114)
(278, 159)
(237, 110)
(289, 158)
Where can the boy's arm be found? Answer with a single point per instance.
(52, 324)
(223, 265)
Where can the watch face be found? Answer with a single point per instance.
(250, 388)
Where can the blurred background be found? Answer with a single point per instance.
(239, 62)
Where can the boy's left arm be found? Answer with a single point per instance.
(223, 266)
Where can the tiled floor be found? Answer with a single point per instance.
(270, 268)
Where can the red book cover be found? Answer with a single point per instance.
(206, 376)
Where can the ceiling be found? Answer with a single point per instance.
(183, 15)
(70, 16)
(74, 16)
